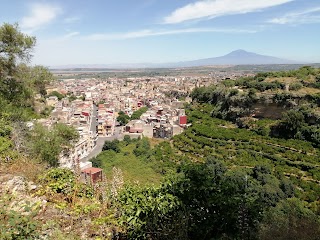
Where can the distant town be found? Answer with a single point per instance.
(93, 104)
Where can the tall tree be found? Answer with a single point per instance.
(15, 47)
(46, 144)
(18, 81)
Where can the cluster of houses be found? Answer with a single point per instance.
(92, 106)
(159, 121)
(106, 120)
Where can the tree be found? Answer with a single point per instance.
(289, 219)
(57, 94)
(47, 145)
(293, 121)
(19, 82)
(35, 78)
(142, 148)
(67, 134)
(72, 97)
(111, 145)
(137, 114)
(151, 213)
(15, 47)
(40, 78)
(123, 119)
(127, 139)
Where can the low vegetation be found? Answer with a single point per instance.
(123, 118)
(126, 156)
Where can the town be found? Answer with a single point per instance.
(108, 108)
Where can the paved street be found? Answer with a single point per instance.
(100, 143)
(94, 122)
(101, 140)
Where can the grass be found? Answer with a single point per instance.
(134, 169)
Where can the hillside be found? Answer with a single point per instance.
(240, 171)
(244, 149)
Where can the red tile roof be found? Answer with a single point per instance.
(91, 170)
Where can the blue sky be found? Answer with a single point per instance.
(135, 31)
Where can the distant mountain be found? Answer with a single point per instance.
(238, 57)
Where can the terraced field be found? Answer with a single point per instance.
(294, 159)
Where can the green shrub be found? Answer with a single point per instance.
(18, 225)
(111, 145)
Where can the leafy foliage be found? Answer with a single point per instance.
(123, 119)
(63, 181)
(135, 169)
(111, 145)
(204, 201)
(244, 148)
(5, 128)
(57, 94)
(16, 224)
(14, 46)
(150, 213)
(47, 145)
(289, 219)
(137, 114)
(58, 180)
(142, 147)
(18, 82)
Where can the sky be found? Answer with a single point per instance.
(160, 31)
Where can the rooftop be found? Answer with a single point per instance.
(91, 170)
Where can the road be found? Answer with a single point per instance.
(100, 142)
(94, 122)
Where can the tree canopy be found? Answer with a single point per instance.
(15, 47)
(46, 145)
(18, 81)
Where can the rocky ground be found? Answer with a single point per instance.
(54, 219)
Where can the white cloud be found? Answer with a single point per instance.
(149, 33)
(39, 16)
(307, 16)
(71, 19)
(216, 8)
(70, 35)
(62, 38)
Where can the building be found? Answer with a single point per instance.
(91, 175)
(163, 130)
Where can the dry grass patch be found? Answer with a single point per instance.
(23, 166)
